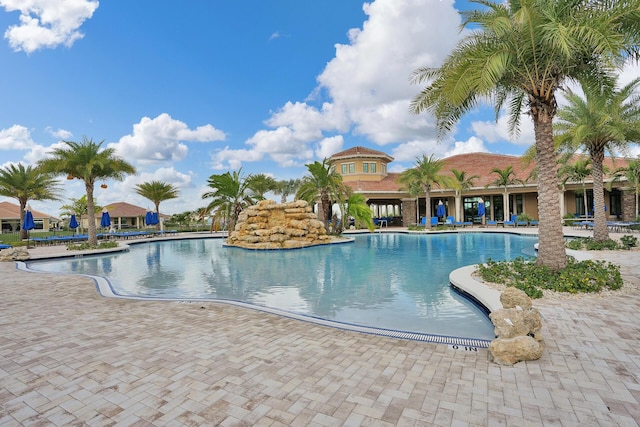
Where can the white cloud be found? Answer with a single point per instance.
(38, 152)
(160, 139)
(472, 145)
(232, 159)
(16, 138)
(59, 133)
(47, 23)
(492, 131)
(329, 146)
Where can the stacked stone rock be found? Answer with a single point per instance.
(517, 328)
(269, 225)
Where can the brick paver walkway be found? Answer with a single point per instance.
(71, 357)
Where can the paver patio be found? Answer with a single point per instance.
(71, 357)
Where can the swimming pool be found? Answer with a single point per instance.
(383, 280)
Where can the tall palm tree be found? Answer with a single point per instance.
(518, 54)
(157, 191)
(577, 172)
(632, 174)
(286, 187)
(605, 119)
(262, 184)
(506, 177)
(231, 194)
(89, 162)
(27, 183)
(323, 182)
(425, 175)
(462, 183)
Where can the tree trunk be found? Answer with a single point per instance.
(91, 212)
(600, 231)
(551, 250)
(459, 215)
(427, 205)
(505, 198)
(584, 198)
(158, 213)
(23, 233)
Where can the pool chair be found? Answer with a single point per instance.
(5, 246)
(434, 221)
(512, 221)
(534, 223)
(491, 222)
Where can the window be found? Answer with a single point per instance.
(344, 168)
(365, 167)
(373, 167)
(352, 167)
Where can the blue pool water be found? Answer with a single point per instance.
(383, 280)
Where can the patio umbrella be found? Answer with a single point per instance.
(148, 218)
(73, 223)
(481, 211)
(154, 217)
(105, 221)
(28, 223)
(440, 211)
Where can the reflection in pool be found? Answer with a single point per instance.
(382, 280)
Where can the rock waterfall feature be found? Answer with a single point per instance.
(269, 225)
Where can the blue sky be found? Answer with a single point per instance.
(184, 90)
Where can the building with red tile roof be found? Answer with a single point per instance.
(365, 171)
(10, 218)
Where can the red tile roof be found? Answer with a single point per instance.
(126, 210)
(360, 152)
(12, 211)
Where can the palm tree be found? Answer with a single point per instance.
(462, 183)
(604, 120)
(27, 183)
(323, 182)
(231, 194)
(518, 54)
(577, 172)
(286, 187)
(78, 207)
(90, 163)
(632, 174)
(505, 178)
(425, 175)
(157, 191)
(261, 184)
(357, 208)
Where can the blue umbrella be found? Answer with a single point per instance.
(154, 217)
(28, 223)
(73, 222)
(481, 210)
(148, 219)
(105, 221)
(440, 211)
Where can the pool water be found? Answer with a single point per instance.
(382, 280)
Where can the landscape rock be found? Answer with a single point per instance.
(509, 351)
(14, 254)
(514, 297)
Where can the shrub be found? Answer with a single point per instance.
(576, 277)
(629, 241)
(86, 246)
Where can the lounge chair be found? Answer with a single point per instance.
(434, 221)
(5, 246)
(512, 221)
(492, 222)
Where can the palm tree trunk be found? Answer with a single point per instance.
(584, 197)
(158, 212)
(551, 250)
(427, 205)
(600, 231)
(91, 213)
(505, 198)
(23, 232)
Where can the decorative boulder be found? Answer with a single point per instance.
(514, 297)
(509, 351)
(14, 254)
